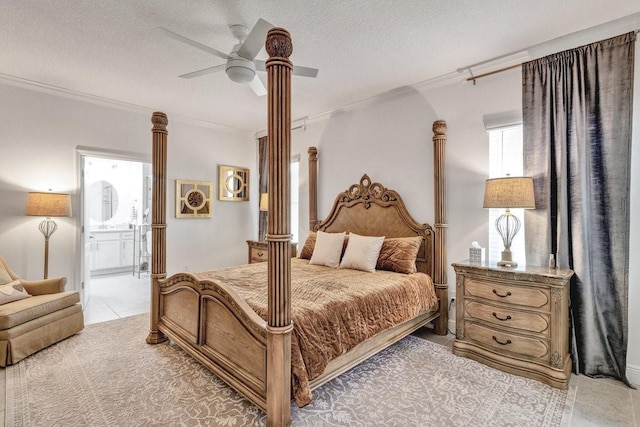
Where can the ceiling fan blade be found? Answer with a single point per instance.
(257, 86)
(255, 40)
(204, 71)
(297, 70)
(193, 43)
(305, 71)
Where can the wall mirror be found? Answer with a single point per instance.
(233, 183)
(103, 203)
(193, 199)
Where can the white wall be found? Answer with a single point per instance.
(38, 140)
(390, 139)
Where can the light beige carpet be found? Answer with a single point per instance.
(108, 376)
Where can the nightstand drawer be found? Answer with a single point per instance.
(500, 341)
(508, 294)
(258, 254)
(504, 316)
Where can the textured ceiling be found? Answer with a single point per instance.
(110, 49)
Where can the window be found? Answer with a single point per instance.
(505, 158)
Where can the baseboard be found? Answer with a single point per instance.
(452, 326)
(633, 374)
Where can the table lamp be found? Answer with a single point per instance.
(508, 192)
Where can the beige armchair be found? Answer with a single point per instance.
(29, 323)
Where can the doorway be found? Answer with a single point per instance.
(116, 236)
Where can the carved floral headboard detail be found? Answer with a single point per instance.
(371, 209)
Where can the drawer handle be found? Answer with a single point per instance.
(508, 294)
(501, 318)
(501, 343)
(260, 253)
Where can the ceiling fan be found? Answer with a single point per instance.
(241, 65)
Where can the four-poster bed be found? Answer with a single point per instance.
(247, 341)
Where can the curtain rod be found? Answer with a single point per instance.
(489, 73)
(479, 76)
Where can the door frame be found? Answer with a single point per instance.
(82, 270)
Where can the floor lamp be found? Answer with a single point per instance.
(508, 192)
(48, 205)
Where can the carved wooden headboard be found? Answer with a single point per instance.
(370, 209)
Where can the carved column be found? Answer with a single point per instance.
(440, 195)
(313, 188)
(158, 220)
(279, 48)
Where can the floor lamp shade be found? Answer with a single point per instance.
(48, 205)
(509, 192)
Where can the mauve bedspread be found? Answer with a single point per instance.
(332, 309)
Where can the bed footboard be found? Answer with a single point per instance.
(212, 323)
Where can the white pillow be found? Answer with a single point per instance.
(362, 252)
(328, 249)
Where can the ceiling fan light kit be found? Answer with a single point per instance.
(240, 70)
(240, 64)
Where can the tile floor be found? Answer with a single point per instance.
(114, 297)
(596, 402)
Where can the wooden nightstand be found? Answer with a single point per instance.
(515, 319)
(258, 251)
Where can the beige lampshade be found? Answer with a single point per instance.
(264, 202)
(48, 204)
(509, 192)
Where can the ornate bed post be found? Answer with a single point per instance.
(313, 188)
(158, 220)
(440, 195)
(279, 48)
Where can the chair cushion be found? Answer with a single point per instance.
(18, 312)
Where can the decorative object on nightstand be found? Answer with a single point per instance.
(515, 319)
(508, 192)
(48, 205)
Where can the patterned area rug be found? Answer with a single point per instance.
(108, 376)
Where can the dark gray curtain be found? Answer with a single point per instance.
(263, 184)
(577, 109)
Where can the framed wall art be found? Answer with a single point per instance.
(233, 183)
(193, 199)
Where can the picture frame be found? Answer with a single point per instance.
(233, 183)
(194, 199)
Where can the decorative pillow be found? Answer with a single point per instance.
(4, 275)
(399, 254)
(12, 291)
(327, 249)
(307, 249)
(362, 252)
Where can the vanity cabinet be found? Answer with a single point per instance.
(111, 251)
(515, 319)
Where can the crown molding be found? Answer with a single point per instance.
(112, 103)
